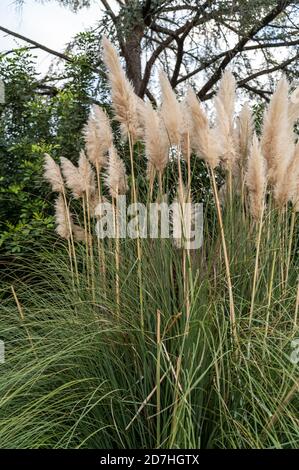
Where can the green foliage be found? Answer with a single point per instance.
(32, 123)
(77, 371)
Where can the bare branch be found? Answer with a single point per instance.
(241, 44)
(37, 45)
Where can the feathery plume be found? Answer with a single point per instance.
(72, 177)
(256, 179)
(294, 106)
(124, 100)
(170, 111)
(225, 137)
(224, 105)
(98, 137)
(156, 142)
(63, 218)
(183, 217)
(277, 135)
(203, 141)
(53, 175)
(227, 95)
(287, 187)
(79, 233)
(244, 133)
(116, 178)
(86, 174)
(186, 130)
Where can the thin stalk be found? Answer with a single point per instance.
(226, 261)
(139, 254)
(296, 308)
(256, 267)
(100, 243)
(86, 241)
(160, 185)
(270, 297)
(92, 273)
(72, 249)
(292, 226)
(117, 263)
(158, 378)
(22, 316)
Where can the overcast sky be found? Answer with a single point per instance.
(48, 23)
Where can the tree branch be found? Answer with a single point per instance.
(62, 56)
(240, 45)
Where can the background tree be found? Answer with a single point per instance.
(195, 40)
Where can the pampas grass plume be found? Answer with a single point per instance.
(227, 95)
(171, 113)
(86, 174)
(124, 100)
(72, 177)
(202, 139)
(225, 105)
(116, 178)
(156, 142)
(98, 137)
(62, 218)
(52, 174)
(244, 133)
(277, 135)
(256, 179)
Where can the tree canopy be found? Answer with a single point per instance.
(195, 40)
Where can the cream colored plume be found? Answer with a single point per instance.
(124, 100)
(227, 95)
(286, 190)
(171, 113)
(186, 145)
(256, 179)
(294, 106)
(225, 106)
(277, 134)
(72, 177)
(63, 218)
(183, 218)
(244, 133)
(156, 141)
(98, 137)
(202, 138)
(225, 136)
(53, 175)
(116, 178)
(86, 174)
(79, 233)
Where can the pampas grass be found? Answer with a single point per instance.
(171, 113)
(154, 350)
(244, 133)
(62, 217)
(156, 145)
(53, 175)
(72, 177)
(256, 179)
(98, 137)
(203, 140)
(116, 178)
(224, 106)
(124, 100)
(277, 135)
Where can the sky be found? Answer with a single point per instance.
(48, 24)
